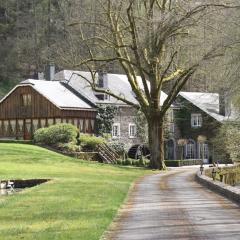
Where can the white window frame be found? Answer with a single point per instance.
(205, 151)
(171, 127)
(129, 130)
(196, 120)
(190, 150)
(171, 116)
(119, 130)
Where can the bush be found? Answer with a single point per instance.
(55, 134)
(119, 147)
(69, 147)
(127, 162)
(89, 142)
(119, 162)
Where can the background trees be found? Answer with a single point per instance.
(157, 41)
(33, 32)
(173, 44)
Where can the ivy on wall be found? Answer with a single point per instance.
(183, 121)
(105, 119)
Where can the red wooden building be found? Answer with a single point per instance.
(35, 104)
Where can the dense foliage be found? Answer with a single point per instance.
(59, 133)
(227, 141)
(35, 32)
(105, 119)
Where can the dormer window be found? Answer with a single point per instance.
(102, 96)
(26, 99)
(196, 120)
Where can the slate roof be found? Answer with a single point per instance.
(117, 83)
(209, 103)
(56, 93)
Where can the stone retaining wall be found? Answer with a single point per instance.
(227, 191)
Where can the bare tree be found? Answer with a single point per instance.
(144, 36)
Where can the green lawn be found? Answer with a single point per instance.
(79, 203)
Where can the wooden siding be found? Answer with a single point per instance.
(12, 107)
(17, 121)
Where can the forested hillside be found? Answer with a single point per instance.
(36, 32)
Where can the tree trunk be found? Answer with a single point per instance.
(156, 142)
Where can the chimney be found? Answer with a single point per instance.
(102, 79)
(224, 103)
(50, 72)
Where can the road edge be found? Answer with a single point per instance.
(225, 190)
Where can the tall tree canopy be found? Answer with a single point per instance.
(150, 39)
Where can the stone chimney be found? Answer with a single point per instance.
(102, 79)
(224, 103)
(50, 72)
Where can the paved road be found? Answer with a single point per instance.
(173, 206)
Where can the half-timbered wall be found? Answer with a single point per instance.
(19, 121)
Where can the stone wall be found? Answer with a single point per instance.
(227, 191)
(126, 115)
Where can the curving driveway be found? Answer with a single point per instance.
(173, 206)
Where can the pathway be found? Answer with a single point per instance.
(173, 206)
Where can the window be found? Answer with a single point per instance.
(26, 99)
(190, 150)
(132, 130)
(102, 96)
(116, 130)
(171, 116)
(171, 128)
(203, 151)
(196, 120)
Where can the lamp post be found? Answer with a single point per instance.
(201, 169)
(214, 173)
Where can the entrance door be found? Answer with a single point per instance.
(27, 129)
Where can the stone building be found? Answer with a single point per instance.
(68, 97)
(197, 120)
(124, 127)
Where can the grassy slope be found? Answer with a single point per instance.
(79, 203)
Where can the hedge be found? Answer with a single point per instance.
(180, 163)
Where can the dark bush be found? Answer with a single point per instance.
(179, 163)
(119, 162)
(55, 134)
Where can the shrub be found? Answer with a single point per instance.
(89, 142)
(119, 162)
(69, 147)
(59, 133)
(119, 147)
(127, 162)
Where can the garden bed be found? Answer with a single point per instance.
(229, 174)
